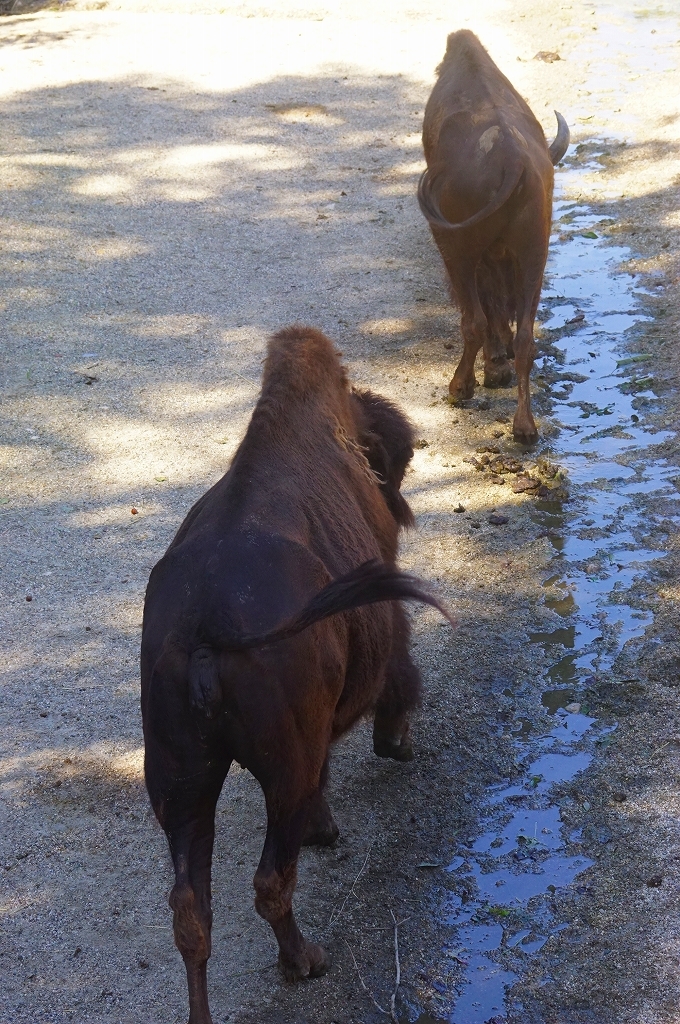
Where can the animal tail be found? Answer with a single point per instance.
(430, 207)
(369, 583)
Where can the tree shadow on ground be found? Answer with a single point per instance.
(167, 233)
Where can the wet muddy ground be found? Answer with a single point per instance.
(178, 183)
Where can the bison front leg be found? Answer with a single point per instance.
(523, 426)
(401, 693)
(275, 881)
(499, 345)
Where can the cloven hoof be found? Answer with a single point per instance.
(497, 375)
(398, 750)
(312, 963)
(526, 437)
(322, 835)
(460, 391)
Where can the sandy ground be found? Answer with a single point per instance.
(178, 180)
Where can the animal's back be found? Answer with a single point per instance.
(469, 84)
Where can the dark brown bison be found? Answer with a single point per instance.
(487, 193)
(271, 625)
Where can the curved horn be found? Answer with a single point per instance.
(561, 140)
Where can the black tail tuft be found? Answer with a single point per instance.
(204, 681)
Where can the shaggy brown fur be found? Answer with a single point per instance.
(487, 193)
(271, 625)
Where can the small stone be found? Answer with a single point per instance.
(134, 512)
(29, 597)
(496, 519)
(459, 508)
(620, 798)
(655, 881)
(573, 709)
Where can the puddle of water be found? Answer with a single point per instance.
(599, 553)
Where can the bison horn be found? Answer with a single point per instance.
(561, 140)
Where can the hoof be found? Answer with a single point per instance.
(497, 375)
(460, 390)
(398, 749)
(311, 962)
(525, 433)
(321, 835)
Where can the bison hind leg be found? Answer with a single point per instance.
(499, 309)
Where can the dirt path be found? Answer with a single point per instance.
(180, 179)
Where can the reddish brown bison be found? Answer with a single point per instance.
(487, 193)
(271, 625)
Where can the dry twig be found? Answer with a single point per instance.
(334, 916)
(392, 1012)
(397, 966)
(364, 985)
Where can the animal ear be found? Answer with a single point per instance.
(396, 502)
(389, 472)
(387, 437)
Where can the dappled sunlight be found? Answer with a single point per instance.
(23, 901)
(174, 194)
(70, 775)
(387, 326)
(106, 185)
(305, 113)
